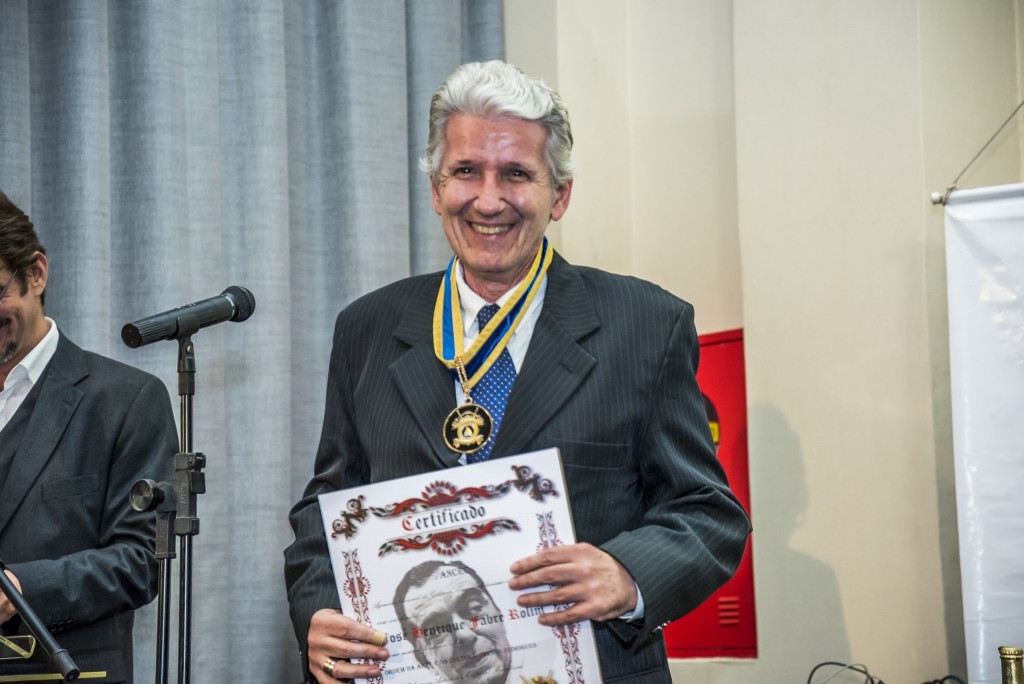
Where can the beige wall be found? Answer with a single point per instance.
(771, 162)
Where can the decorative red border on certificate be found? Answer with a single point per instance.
(357, 588)
(568, 635)
(437, 495)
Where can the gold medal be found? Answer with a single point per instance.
(468, 428)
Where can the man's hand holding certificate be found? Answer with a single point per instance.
(585, 581)
(422, 564)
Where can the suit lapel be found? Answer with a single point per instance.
(58, 399)
(426, 386)
(555, 363)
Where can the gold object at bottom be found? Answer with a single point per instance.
(51, 677)
(328, 665)
(1012, 664)
(17, 647)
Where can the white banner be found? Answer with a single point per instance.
(985, 264)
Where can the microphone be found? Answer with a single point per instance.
(233, 304)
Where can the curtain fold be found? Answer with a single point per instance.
(168, 150)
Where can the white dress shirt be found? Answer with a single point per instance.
(25, 375)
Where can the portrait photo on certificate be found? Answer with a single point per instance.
(425, 559)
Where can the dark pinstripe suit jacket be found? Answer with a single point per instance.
(609, 379)
(83, 556)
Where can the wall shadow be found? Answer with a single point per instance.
(800, 611)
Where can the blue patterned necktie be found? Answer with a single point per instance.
(493, 389)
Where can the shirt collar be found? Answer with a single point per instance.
(35, 361)
(471, 303)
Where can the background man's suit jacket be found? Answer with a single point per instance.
(83, 556)
(609, 379)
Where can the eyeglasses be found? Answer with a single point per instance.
(3, 292)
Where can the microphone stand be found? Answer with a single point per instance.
(175, 504)
(191, 481)
(59, 657)
(176, 510)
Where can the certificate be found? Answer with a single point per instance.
(425, 560)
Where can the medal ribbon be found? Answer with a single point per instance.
(449, 337)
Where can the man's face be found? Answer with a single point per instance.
(458, 629)
(495, 198)
(22, 323)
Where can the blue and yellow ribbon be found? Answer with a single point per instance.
(449, 337)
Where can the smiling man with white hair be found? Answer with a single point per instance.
(512, 349)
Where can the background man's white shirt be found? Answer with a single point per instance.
(25, 375)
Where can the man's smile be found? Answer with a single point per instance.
(490, 230)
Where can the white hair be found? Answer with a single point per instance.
(497, 89)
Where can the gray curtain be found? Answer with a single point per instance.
(166, 150)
